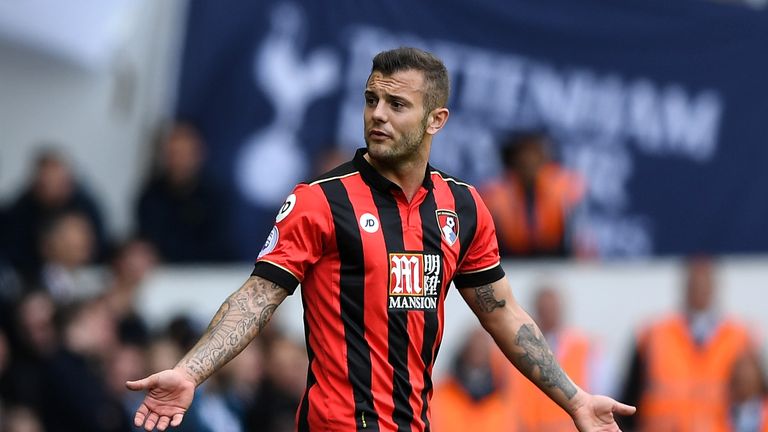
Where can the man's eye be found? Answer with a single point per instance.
(396, 104)
(370, 101)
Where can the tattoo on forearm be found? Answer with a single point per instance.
(266, 314)
(537, 355)
(486, 299)
(239, 319)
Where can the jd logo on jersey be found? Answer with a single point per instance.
(286, 208)
(369, 223)
(414, 280)
(448, 222)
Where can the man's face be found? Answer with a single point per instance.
(530, 159)
(548, 310)
(700, 288)
(70, 243)
(182, 155)
(53, 183)
(394, 116)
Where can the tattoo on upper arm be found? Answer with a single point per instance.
(487, 300)
(537, 355)
(240, 318)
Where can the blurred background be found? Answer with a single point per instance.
(621, 147)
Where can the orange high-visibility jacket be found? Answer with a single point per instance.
(454, 411)
(764, 427)
(535, 412)
(557, 192)
(686, 384)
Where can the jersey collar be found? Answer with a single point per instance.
(378, 181)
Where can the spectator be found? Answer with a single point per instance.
(534, 204)
(471, 398)
(681, 364)
(164, 352)
(67, 245)
(215, 411)
(77, 396)
(33, 341)
(183, 331)
(127, 361)
(575, 353)
(131, 263)
(243, 377)
(52, 189)
(279, 395)
(749, 395)
(179, 209)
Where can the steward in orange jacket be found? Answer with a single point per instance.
(686, 382)
(470, 398)
(534, 203)
(682, 364)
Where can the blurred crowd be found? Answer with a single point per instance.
(70, 337)
(70, 334)
(64, 367)
(66, 352)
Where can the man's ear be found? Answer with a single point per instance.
(436, 120)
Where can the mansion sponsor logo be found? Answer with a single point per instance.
(414, 280)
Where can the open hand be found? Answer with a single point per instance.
(596, 414)
(169, 394)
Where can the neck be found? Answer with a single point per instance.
(409, 175)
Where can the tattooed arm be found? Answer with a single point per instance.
(239, 319)
(521, 341)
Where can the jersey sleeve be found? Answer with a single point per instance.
(482, 263)
(302, 226)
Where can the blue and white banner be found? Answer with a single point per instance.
(662, 106)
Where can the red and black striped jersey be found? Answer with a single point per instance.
(374, 271)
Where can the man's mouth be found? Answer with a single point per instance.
(378, 133)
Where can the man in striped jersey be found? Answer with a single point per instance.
(375, 244)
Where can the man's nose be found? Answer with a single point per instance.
(379, 112)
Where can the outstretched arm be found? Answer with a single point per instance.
(239, 319)
(523, 344)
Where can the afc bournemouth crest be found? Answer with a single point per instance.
(448, 222)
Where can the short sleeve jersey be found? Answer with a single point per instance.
(374, 271)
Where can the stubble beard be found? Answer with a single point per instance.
(402, 150)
